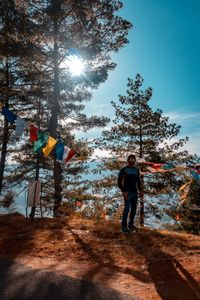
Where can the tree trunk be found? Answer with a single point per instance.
(142, 181)
(142, 204)
(5, 132)
(54, 113)
(3, 152)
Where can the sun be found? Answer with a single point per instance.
(74, 64)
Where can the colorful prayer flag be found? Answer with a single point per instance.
(168, 166)
(49, 146)
(195, 175)
(34, 193)
(79, 203)
(183, 187)
(42, 139)
(10, 116)
(180, 169)
(59, 150)
(156, 166)
(184, 191)
(68, 154)
(20, 126)
(33, 133)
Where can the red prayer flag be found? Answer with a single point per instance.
(70, 155)
(157, 166)
(79, 203)
(33, 133)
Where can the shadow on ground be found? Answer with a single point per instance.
(165, 272)
(170, 278)
(20, 282)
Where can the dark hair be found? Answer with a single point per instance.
(131, 156)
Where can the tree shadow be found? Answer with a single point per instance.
(18, 236)
(108, 268)
(21, 282)
(18, 244)
(170, 278)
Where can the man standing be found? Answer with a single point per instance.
(129, 183)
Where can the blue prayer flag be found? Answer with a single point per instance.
(10, 116)
(59, 151)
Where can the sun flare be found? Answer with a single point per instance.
(75, 65)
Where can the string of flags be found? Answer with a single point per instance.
(166, 167)
(42, 141)
(152, 167)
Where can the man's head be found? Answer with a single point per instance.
(131, 160)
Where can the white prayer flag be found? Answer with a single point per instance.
(34, 193)
(20, 126)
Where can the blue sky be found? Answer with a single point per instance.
(164, 47)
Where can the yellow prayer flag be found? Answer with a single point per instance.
(180, 169)
(49, 146)
(184, 192)
(184, 195)
(82, 158)
(185, 185)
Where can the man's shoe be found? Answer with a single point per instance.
(124, 229)
(133, 228)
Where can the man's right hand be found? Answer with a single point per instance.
(125, 195)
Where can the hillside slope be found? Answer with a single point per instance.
(150, 264)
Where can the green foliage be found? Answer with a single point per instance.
(138, 129)
(41, 89)
(189, 213)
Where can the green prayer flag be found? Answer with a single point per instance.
(42, 140)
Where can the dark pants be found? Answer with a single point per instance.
(130, 205)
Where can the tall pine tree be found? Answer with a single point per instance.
(13, 24)
(64, 28)
(94, 30)
(147, 133)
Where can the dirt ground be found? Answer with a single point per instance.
(150, 264)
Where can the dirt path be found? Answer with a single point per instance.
(150, 264)
(18, 281)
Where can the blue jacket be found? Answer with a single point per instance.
(129, 179)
